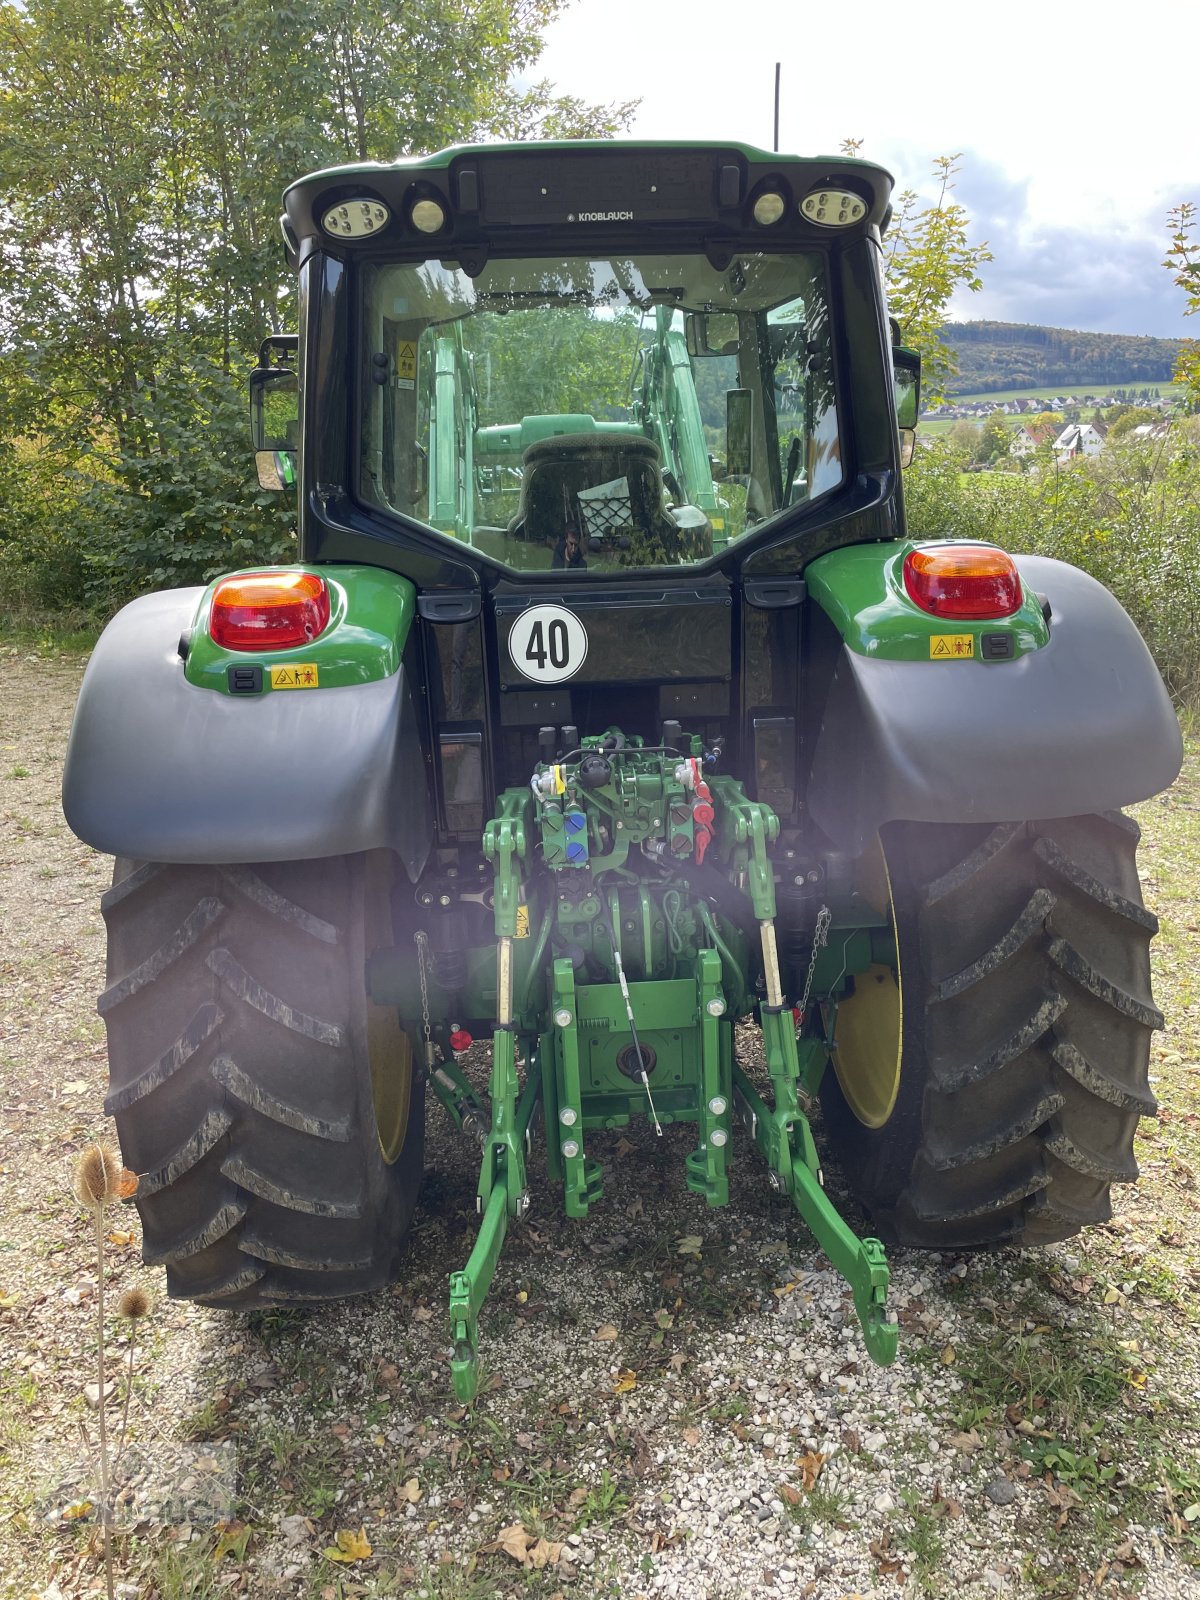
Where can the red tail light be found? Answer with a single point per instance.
(963, 581)
(268, 610)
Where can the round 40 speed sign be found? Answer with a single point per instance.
(547, 643)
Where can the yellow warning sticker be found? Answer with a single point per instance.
(406, 361)
(718, 524)
(303, 675)
(951, 646)
(522, 922)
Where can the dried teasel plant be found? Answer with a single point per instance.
(133, 1305)
(98, 1179)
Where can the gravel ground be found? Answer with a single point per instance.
(676, 1400)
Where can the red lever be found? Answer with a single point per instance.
(703, 812)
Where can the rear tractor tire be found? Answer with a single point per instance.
(992, 1096)
(274, 1114)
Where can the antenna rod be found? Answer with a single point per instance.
(777, 67)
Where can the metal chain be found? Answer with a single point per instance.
(820, 937)
(422, 939)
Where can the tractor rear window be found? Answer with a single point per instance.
(598, 414)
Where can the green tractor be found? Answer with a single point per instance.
(608, 706)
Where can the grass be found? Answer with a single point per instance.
(937, 426)
(921, 1537)
(71, 632)
(1090, 1471)
(826, 1502)
(17, 1394)
(1048, 391)
(317, 1482)
(1069, 1376)
(204, 1423)
(449, 1581)
(542, 1485)
(604, 1502)
(187, 1571)
(737, 1408)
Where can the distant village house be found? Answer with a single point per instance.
(1079, 439)
(1028, 439)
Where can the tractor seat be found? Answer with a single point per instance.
(557, 470)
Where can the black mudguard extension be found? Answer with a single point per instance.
(160, 770)
(1082, 725)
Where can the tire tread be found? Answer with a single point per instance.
(201, 917)
(205, 1021)
(243, 1087)
(1027, 1021)
(246, 987)
(238, 1022)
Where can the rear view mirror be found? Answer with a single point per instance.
(906, 388)
(275, 414)
(713, 333)
(276, 468)
(738, 418)
(906, 381)
(274, 408)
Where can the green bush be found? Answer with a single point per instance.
(42, 562)
(1130, 517)
(80, 537)
(186, 505)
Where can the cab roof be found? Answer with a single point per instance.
(585, 188)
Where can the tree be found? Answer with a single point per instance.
(1046, 419)
(1131, 417)
(145, 145)
(928, 255)
(995, 439)
(964, 439)
(553, 361)
(1183, 259)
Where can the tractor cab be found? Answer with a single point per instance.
(579, 363)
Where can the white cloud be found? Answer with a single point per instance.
(1077, 124)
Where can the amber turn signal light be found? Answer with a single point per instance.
(964, 581)
(268, 610)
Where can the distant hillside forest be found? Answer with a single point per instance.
(1016, 355)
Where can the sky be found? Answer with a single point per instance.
(1078, 126)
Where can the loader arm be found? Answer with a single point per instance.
(671, 410)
